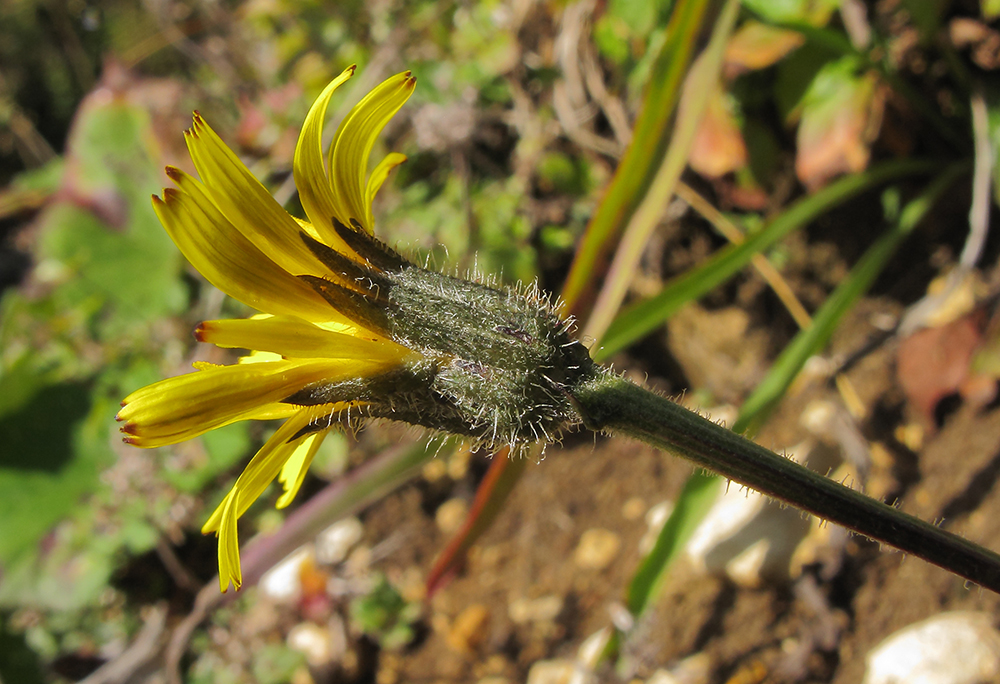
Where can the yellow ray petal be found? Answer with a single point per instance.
(231, 262)
(378, 176)
(183, 407)
(296, 338)
(352, 144)
(268, 461)
(311, 179)
(246, 203)
(293, 472)
(274, 411)
(229, 544)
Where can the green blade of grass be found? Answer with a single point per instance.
(701, 489)
(642, 159)
(693, 503)
(691, 109)
(642, 318)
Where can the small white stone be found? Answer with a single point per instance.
(597, 548)
(746, 568)
(656, 518)
(621, 617)
(559, 671)
(313, 641)
(522, 610)
(950, 648)
(283, 582)
(662, 677)
(589, 653)
(450, 516)
(335, 542)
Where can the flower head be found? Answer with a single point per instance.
(348, 328)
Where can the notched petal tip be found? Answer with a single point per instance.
(201, 330)
(171, 195)
(197, 124)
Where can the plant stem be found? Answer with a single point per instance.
(613, 404)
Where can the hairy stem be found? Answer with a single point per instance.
(613, 404)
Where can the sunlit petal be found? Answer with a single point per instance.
(377, 177)
(186, 406)
(352, 144)
(293, 472)
(267, 463)
(245, 202)
(229, 543)
(296, 338)
(311, 178)
(231, 262)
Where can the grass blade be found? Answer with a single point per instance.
(642, 318)
(643, 157)
(648, 212)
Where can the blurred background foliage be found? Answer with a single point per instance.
(522, 112)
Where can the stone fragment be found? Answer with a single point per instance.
(312, 641)
(596, 549)
(450, 515)
(523, 610)
(558, 671)
(949, 648)
(468, 630)
(283, 582)
(335, 542)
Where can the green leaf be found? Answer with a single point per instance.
(58, 446)
(18, 663)
(642, 318)
(49, 461)
(992, 96)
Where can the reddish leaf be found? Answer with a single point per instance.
(757, 46)
(718, 147)
(841, 115)
(934, 363)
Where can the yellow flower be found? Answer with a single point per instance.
(348, 328)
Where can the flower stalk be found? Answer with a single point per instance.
(609, 403)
